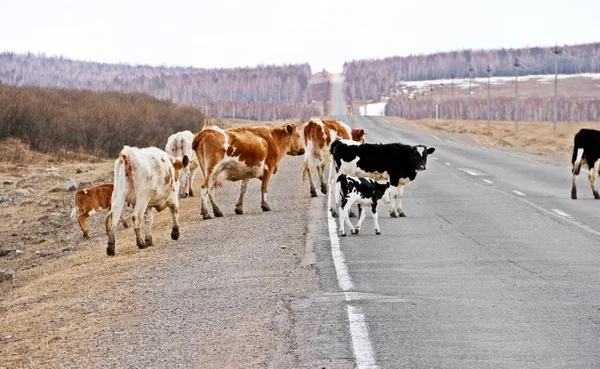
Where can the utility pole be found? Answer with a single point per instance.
(452, 98)
(441, 98)
(556, 52)
(488, 70)
(469, 106)
(516, 65)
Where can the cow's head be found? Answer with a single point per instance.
(358, 135)
(295, 142)
(179, 164)
(418, 159)
(382, 192)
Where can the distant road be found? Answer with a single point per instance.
(494, 267)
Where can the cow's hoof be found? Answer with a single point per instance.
(596, 196)
(218, 213)
(343, 234)
(401, 214)
(191, 193)
(125, 225)
(205, 215)
(183, 195)
(175, 233)
(393, 214)
(239, 211)
(148, 241)
(351, 214)
(265, 207)
(141, 244)
(574, 194)
(333, 213)
(354, 231)
(86, 235)
(377, 233)
(110, 251)
(324, 189)
(313, 193)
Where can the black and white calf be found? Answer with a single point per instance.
(366, 193)
(586, 151)
(394, 162)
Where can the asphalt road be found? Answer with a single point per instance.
(494, 267)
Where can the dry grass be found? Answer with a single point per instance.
(534, 137)
(59, 303)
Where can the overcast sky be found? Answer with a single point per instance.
(324, 33)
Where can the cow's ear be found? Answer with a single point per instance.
(430, 150)
(289, 129)
(185, 161)
(362, 132)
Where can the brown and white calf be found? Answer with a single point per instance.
(88, 201)
(240, 154)
(318, 136)
(179, 145)
(145, 178)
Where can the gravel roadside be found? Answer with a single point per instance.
(233, 292)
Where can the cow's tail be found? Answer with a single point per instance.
(578, 153)
(208, 124)
(343, 181)
(74, 213)
(305, 169)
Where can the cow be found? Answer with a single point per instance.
(586, 151)
(318, 135)
(366, 192)
(145, 178)
(179, 145)
(395, 162)
(239, 154)
(88, 201)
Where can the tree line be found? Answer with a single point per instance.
(372, 78)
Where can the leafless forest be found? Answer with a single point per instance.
(263, 92)
(369, 79)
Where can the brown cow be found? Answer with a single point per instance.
(318, 136)
(239, 154)
(90, 200)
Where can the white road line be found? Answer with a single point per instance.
(363, 350)
(436, 137)
(448, 163)
(561, 213)
(450, 141)
(519, 193)
(471, 173)
(488, 181)
(434, 158)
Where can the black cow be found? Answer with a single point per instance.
(395, 162)
(586, 150)
(366, 192)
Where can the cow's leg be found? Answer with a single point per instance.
(192, 176)
(185, 183)
(375, 219)
(205, 189)
(174, 207)
(111, 221)
(361, 219)
(148, 219)
(81, 220)
(239, 206)
(124, 221)
(213, 202)
(136, 219)
(574, 187)
(264, 189)
(320, 172)
(592, 177)
(397, 200)
(307, 173)
(334, 198)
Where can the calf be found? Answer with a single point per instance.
(395, 162)
(145, 178)
(366, 192)
(318, 135)
(179, 145)
(239, 154)
(90, 200)
(586, 151)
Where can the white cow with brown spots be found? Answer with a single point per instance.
(145, 178)
(179, 145)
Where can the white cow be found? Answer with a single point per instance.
(179, 145)
(145, 178)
